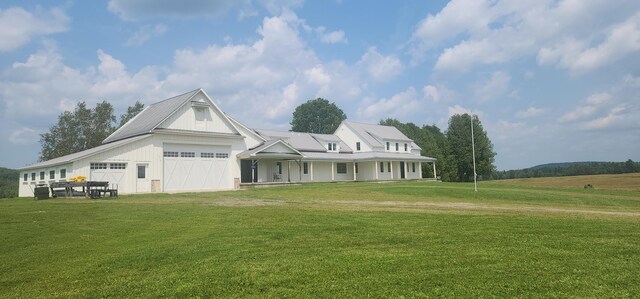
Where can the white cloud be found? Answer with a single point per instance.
(18, 26)
(469, 33)
(529, 113)
(332, 37)
(259, 83)
(379, 67)
(145, 33)
(493, 88)
(401, 105)
(593, 105)
(620, 41)
(431, 92)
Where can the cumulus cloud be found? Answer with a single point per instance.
(470, 33)
(18, 26)
(494, 87)
(529, 112)
(332, 37)
(407, 102)
(257, 82)
(593, 104)
(380, 67)
(145, 33)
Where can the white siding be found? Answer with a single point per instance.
(26, 187)
(350, 138)
(186, 118)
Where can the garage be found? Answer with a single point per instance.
(196, 167)
(114, 173)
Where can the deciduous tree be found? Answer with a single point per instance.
(460, 149)
(317, 116)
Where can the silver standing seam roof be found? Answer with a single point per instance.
(150, 117)
(75, 156)
(375, 134)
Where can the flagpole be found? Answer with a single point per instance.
(473, 147)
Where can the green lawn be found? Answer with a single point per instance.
(408, 239)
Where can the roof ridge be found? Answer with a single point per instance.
(173, 97)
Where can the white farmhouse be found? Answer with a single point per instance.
(186, 143)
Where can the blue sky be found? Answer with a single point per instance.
(551, 81)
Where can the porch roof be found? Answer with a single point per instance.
(365, 156)
(269, 150)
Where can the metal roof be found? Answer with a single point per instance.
(259, 151)
(79, 155)
(366, 156)
(150, 117)
(375, 134)
(299, 141)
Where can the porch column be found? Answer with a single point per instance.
(392, 170)
(435, 176)
(375, 169)
(311, 170)
(289, 171)
(253, 172)
(333, 171)
(406, 170)
(300, 169)
(354, 171)
(420, 168)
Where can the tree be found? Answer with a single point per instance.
(317, 116)
(460, 149)
(82, 129)
(132, 111)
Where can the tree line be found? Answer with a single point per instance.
(568, 169)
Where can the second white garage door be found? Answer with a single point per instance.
(196, 167)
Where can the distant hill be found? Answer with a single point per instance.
(561, 165)
(8, 182)
(568, 169)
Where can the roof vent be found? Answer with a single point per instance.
(200, 103)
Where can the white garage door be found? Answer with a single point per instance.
(114, 173)
(196, 167)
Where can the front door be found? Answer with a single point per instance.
(142, 178)
(402, 170)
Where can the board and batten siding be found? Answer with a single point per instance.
(25, 188)
(188, 118)
(350, 138)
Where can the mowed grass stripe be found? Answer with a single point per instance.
(287, 242)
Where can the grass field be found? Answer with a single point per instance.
(403, 239)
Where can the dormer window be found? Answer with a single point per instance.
(396, 146)
(387, 145)
(405, 147)
(331, 146)
(357, 146)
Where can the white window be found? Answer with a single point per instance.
(305, 167)
(42, 175)
(171, 154)
(118, 166)
(396, 146)
(387, 145)
(26, 177)
(33, 176)
(52, 174)
(405, 147)
(63, 173)
(222, 155)
(187, 154)
(341, 167)
(98, 165)
(357, 146)
(207, 155)
(413, 167)
(332, 146)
